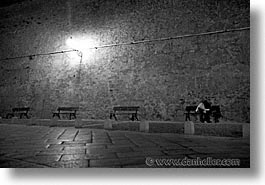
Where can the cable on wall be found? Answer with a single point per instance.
(41, 54)
(132, 43)
(173, 38)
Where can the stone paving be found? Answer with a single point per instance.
(24, 146)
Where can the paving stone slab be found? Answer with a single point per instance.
(120, 146)
(103, 151)
(75, 142)
(50, 152)
(55, 146)
(175, 152)
(217, 150)
(74, 150)
(101, 156)
(122, 142)
(132, 161)
(68, 157)
(149, 149)
(13, 163)
(105, 163)
(97, 145)
(42, 159)
(83, 163)
(70, 147)
(138, 154)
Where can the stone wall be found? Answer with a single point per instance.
(159, 76)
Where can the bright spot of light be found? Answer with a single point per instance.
(81, 44)
(86, 45)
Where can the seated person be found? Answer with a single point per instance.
(204, 109)
(216, 113)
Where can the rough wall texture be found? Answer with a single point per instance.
(158, 76)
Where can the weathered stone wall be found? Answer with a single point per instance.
(154, 75)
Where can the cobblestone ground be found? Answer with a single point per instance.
(24, 146)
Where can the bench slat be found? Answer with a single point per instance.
(191, 110)
(20, 109)
(68, 108)
(125, 110)
(132, 108)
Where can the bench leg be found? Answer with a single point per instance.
(72, 114)
(136, 117)
(132, 117)
(187, 117)
(112, 115)
(56, 114)
(195, 116)
(216, 118)
(115, 117)
(9, 115)
(23, 114)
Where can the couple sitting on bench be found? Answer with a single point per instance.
(206, 110)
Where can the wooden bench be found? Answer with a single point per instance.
(71, 111)
(190, 110)
(132, 110)
(21, 111)
(214, 112)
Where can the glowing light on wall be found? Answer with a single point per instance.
(83, 44)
